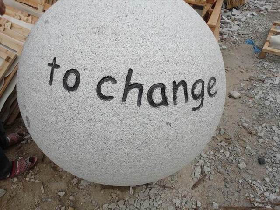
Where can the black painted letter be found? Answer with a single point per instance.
(164, 101)
(98, 88)
(175, 90)
(129, 86)
(198, 96)
(211, 84)
(54, 66)
(65, 79)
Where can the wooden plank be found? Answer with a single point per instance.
(213, 21)
(276, 31)
(13, 34)
(6, 64)
(11, 43)
(274, 28)
(206, 8)
(32, 3)
(5, 52)
(11, 11)
(266, 44)
(41, 5)
(7, 80)
(195, 2)
(215, 14)
(211, 1)
(269, 36)
(217, 30)
(47, 6)
(20, 15)
(9, 57)
(15, 27)
(271, 50)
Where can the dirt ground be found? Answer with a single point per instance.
(49, 187)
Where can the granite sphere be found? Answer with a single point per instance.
(121, 92)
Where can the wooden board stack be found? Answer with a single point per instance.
(40, 5)
(211, 13)
(275, 30)
(12, 38)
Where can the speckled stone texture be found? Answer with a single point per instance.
(108, 140)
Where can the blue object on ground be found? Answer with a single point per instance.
(256, 48)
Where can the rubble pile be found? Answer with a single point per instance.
(248, 21)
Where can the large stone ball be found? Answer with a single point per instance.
(121, 92)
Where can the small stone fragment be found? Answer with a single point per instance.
(267, 179)
(261, 160)
(112, 206)
(71, 198)
(2, 192)
(61, 194)
(170, 208)
(74, 181)
(83, 184)
(215, 205)
(105, 206)
(234, 94)
(121, 203)
(227, 153)
(42, 189)
(242, 165)
(277, 157)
